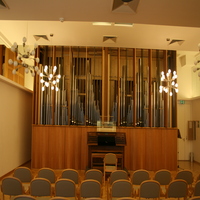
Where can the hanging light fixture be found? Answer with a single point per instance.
(169, 82)
(25, 58)
(49, 78)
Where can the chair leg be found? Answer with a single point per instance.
(104, 178)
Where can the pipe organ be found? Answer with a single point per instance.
(100, 85)
(107, 84)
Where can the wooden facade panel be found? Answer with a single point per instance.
(40, 147)
(169, 145)
(66, 147)
(153, 149)
(56, 153)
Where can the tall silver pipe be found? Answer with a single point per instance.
(154, 104)
(41, 103)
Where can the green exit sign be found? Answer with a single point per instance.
(181, 101)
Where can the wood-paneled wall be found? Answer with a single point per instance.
(60, 147)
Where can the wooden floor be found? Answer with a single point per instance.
(193, 166)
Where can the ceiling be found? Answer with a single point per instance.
(157, 24)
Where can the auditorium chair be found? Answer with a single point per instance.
(177, 188)
(149, 189)
(11, 186)
(65, 188)
(71, 174)
(90, 188)
(120, 188)
(59, 198)
(164, 177)
(40, 187)
(24, 197)
(196, 190)
(138, 177)
(94, 174)
(47, 173)
(24, 174)
(186, 175)
(194, 198)
(114, 176)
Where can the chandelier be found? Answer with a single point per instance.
(49, 78)
(196, 62)
(196, 69)
(169, 82)
(25, 58)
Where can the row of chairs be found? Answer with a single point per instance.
(28, 197)
(25, 174)
(164, 177)
(41, 187)
(140, 185)
(148, 189)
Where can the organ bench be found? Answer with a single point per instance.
(100, 143)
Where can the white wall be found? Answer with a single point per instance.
(196, 117)
(189, 88)
(184, 115)
(15, 125)
(28, 81)
(185, 61)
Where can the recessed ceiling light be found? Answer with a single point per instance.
(124, 24)
(102, 23)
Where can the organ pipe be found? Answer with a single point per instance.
(84, 93)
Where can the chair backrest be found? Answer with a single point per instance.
(12, 186)
(196, 191)
(186, 175)
(177, 189)
(47, 173)
(198, 178)
(139, 176)
(59, 198)
(24, 197)
(24, 174)
(90, 188)
(117, 175)
(94, 174)
(195, 198)
(71, 174)
(149, 189)
(121, 188)
(163, 176)
(40, 187)
(65, 188)
(110, 159)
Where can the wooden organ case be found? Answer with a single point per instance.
(100, 143)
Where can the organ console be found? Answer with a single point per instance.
(100, 143)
